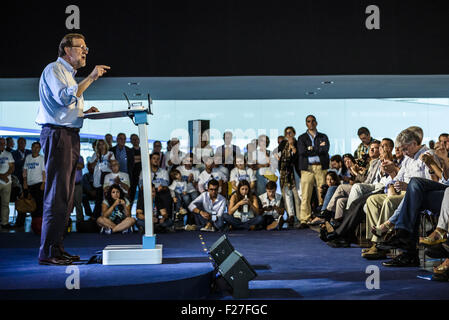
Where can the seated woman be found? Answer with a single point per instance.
(243, 209)
(161, 221)
(327, 191)
(116, 213)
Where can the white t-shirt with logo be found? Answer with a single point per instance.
(238, 175)
(159, 179)
(109, 179)
(185, 173)
(205, 177)
(276, 202)
(178, 187)
(34, 168)
(5, 159)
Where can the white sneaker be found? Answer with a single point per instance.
(211, 229)
(190, 227)
(105, 230)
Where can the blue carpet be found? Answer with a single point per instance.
(293, 264)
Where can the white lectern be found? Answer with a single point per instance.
(148, 252)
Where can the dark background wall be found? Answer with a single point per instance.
(220, 38)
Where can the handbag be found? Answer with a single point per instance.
(25, 204)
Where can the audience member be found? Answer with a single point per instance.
(33, 183)
(78, 198)
(108, 140)
(101, 159)
(210, 173)
(124, 155)
(162, 221)
(327, 191)
(262, 165)
(9, 144)
(243, 209)
(161, 180)
(115, 212)
(89, 191)
(289, 188)
(276, 155)
(362, 150)
(19, 158)
(178, 191)
(209, 209)
(228, 152)
(137, 168)
(174, 156)
(242, 172)
(313, 159)
(6, 169)
(190, 175)
(117, 177)
(272, 207)
(157, 148)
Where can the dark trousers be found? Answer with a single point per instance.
(238, 224)
(61, 148)
(421, 194)
(38, 196)
(134, 184)
(98, 202)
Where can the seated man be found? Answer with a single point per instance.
(117, 177)
(422, 194)
(380, 207)
(242, 172)
(161, 221)
(210, 173)
(272, 209)
(209, 209)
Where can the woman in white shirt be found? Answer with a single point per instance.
(102, 160)
(263, 163)
(242, 172)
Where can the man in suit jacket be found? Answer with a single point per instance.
(313, 161)
(124, 155)
(228, 152)
(19, 156)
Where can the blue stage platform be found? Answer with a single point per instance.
(291, 264)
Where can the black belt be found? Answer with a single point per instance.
(52, 126)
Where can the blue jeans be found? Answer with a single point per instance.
(421, 194)
(238, 224)
(201, 222)
(330, 192)
(261, 183)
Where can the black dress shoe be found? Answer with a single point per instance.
(436, 252)
(338, 243)
(69, 256)
(401, 239)
(302, 225)
(403, 260)
(55, 262)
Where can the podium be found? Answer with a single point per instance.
(148, 252)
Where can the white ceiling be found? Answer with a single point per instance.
(251, 87)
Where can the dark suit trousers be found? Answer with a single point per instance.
(61, 148)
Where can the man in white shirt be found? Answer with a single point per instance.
(210, 173)
(6, 168)
(380, 207)
(33, 181)
(209, 208)
(116, 177)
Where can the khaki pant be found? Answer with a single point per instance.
(379, 208)
(5, 194)
(313, 177)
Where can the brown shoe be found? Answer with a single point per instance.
(55, 262)
(375, 254)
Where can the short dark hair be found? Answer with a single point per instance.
(67, 41)
(213, 182)
(337, 158)
(271, 185)
(35, 142)
(375, 142)
(154, 154)
(444, 135)
(311, 115)
(363, 130)
(389, 141)
(173, 173)
(121, 134)
(291, 128)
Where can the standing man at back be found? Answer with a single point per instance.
(313, 161)
(61, 116)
